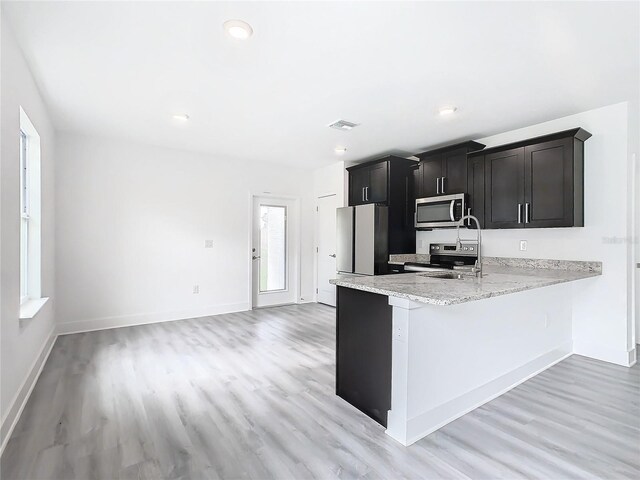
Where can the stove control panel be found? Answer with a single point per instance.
(467, 248)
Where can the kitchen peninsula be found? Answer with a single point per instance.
(416, 351)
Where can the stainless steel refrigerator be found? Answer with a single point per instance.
(363, 239)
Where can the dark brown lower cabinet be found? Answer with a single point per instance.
(363, 351)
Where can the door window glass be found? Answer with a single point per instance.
(273, 248)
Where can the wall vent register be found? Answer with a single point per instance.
(342, 125)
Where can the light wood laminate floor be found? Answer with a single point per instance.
(251, 395)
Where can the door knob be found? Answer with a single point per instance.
(255, 258)
(333, 256)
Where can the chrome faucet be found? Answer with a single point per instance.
(477, 269)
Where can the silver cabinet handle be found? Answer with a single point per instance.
(468, 220)
(363, 194)
(333, 255)
(438, 185)
(527, 218)
(366, 193)
(442, 185)
(519, 213)
(255, 257)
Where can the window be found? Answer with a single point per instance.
(273, 248)
(24, 220)
(30, 221)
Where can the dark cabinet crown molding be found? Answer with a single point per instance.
(469, 146)
(392, 158)
(578, 133)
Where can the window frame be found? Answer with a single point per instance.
(30, 216)
(24, 218)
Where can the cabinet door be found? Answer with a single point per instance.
(504, 189)
(363, 351)
(431, 175)
(548, 182)
(358, 180)
(417, 180)
(454, 171)
(475, 190)
(378, 183)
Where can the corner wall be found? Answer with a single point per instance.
(23, 344)
(600, 312)
(132, 223)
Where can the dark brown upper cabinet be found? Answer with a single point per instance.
(443, 171)
(379, 181)
(358, 184)
(535, 183)
(369, 183)
(388, 181)
(504, 189)
(475, 191)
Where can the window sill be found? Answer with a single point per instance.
(31, 307)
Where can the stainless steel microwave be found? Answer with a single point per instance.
(439, 212)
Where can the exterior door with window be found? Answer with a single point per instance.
(271, 257)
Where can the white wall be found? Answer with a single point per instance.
(329, 180)
(600, 313)
(132, 222)
(634, 223)
(22, 344)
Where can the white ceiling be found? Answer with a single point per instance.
(121, 69)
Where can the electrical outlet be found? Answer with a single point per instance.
(196, 289)
(208, 244)
(523, 245)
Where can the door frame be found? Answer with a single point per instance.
(316, 241)
(294, 242)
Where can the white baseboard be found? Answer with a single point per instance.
(626, 358)
(146, 318)
(18, 403)
(430, 421)
(302, 302)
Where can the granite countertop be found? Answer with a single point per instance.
(499, 278)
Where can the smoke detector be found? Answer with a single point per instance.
(342, 125)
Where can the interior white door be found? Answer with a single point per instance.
(326, 251)
(272, 255)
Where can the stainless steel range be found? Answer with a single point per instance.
(447, 256)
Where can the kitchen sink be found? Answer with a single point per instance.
(449, 275)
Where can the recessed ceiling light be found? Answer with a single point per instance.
(238, 29)
(448, 110)
(181, 117)
(340, 150)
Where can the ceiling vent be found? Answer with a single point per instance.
(342, 125)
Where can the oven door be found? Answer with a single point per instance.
(439, 212)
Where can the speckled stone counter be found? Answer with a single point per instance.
(497, 279)
(402, 258)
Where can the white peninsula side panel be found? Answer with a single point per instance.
(448, 360)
